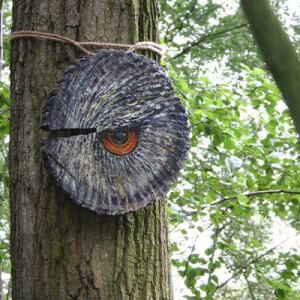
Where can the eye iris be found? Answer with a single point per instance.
(119, 138)
(119, 142)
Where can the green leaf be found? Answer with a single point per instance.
(209, 251)
(280, 294)
(184, 86)
(217, 140)
(271, 126)
(190, 283)
(197, 112)
(174, 247)
(191, 274)
(237, 211)
(215, 218)
(255, 243)
(291, 264)
(276, 284)
(203, 287)
(243, 199)
(194, 258)
(204, 79)
(228, 144)
(221, 245)
(286, 274)
(211, 287)
(211, 266)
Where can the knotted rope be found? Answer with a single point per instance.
(156, 48)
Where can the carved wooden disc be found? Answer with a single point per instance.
(111, 103)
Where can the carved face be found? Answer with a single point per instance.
(127, 132)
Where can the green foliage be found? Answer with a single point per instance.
(243, 143)
(5, 266)
(214, 29)
(4, 203)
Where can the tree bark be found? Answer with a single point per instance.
(59, 250)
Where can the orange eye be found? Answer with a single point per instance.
(119, 142)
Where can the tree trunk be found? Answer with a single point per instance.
(59, 250)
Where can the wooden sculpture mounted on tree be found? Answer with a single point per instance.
(128, 134)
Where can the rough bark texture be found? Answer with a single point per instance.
(59, 250)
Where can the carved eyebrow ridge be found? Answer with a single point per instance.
(71, 132)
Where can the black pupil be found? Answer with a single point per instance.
(119, 137)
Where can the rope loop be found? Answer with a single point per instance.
(156, 48)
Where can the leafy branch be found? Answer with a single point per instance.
(1, 37)
(257, 193)
(208, 36)
(250, 194)
(249, 287)
(217, 232)
(185, 18)
(255, 260)
(190, 255)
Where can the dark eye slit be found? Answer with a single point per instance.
(71, 132)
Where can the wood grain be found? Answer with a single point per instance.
(111, 90)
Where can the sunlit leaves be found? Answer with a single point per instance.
(5, 267)
(242, 140)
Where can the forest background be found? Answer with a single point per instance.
(234, 212)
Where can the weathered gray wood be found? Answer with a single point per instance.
(109, 91)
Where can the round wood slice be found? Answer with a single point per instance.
(111, 91)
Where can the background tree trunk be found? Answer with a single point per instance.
(59, 250)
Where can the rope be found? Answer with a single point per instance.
(82, 45)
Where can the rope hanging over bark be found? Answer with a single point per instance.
(156, 48)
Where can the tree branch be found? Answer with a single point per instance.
(277, 51)
(257, 193)
(210, 11)
(249, 288)
(247, 195)
(254, 261)
(217, 232)
(191, 253)
(186, 16)
(208, 36)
